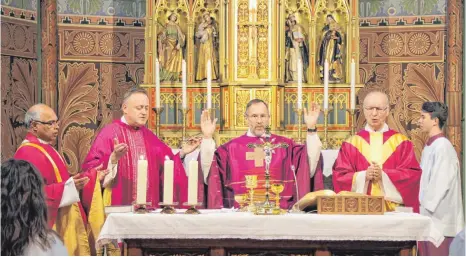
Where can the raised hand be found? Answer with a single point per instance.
(190, 145)
(118, 151)
(208, 125)
(311, 115)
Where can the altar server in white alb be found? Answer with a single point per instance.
(440, 189)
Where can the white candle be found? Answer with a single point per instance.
(192, 182)
(209, 85)
(353, 85)
(157, 84)
(168, 181)
(326, 85)
(183, 73)
(141, 181)
(300, 84)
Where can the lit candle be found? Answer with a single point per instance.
(141, 181)
(300, 84)
(209, 85)
(183, 75)
(168, 181)
(192, 182)
(157, 84)
(326, 85)
(353, 85)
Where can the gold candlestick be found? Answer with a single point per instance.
(184, 112)
(299, 111)
(158, 112)
(352, 113)
(326, 113)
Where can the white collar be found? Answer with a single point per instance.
(250, 134)
(124, 120)
(383, 130)
(40, 141)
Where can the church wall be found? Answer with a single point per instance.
(18, 70)
(403, 50)
(101, 56)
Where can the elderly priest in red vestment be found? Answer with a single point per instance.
(378, 160)
(65, 207)
(225, 168)
(120, 144)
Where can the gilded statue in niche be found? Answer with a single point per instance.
(295, 49)
(170, 44)
(207, 45)
(331, 50)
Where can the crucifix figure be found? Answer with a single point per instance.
(258, 156)
(262, 152)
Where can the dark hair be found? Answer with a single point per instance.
(437, 110)
(24, 210)
(255, 101)
(134, 90)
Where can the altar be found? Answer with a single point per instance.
(226, 232)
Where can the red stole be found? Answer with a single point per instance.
(230, 165)
(399, 163)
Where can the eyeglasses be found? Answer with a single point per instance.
(50, 123)
(378, 109)
(257, 117)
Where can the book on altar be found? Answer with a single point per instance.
(118, 209)
(308, 202)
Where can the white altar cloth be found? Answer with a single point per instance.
(216, 224)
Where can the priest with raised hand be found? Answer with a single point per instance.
(378, 160)
(64, 203)
(225, 168)
(120, 145)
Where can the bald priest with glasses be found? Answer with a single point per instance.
(225, 168)
(378, 160)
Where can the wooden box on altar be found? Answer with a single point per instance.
(346, 204)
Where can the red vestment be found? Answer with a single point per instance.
(69, 221)
(398, 162)
(230, 165)
(140, 141)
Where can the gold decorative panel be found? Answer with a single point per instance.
(243, 39)
(263, 39)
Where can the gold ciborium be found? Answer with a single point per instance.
(277, 189)
(251, 183)
(241, 200)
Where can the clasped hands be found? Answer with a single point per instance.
(374, 172)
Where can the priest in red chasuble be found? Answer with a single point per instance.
(225, 168)
(379, 160)
(64, 204)
(120, 144)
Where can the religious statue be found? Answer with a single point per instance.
(295, 49)
(330, 50)
(171, 42)
(207, 36)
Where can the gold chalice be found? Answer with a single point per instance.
(241, 200)
(251, 183)
(277, 189)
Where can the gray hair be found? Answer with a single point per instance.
(132, 91)
(31, 115)
(254, 101)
